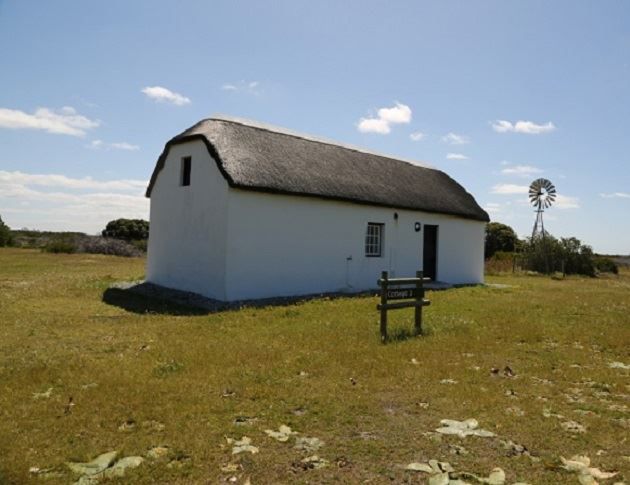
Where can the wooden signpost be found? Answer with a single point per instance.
(390, 290)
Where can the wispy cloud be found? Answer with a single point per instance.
(63, 181)
(249, 87)
(59, 202)
(616, 195)
(381, 124)
(456, 156)
(97, 144)
(417, 136)
(455, 139)
(492, 208)
(527, 127)
(510, 189)
(521, 170)
(65, 121)
(566, 202)
(164, 95)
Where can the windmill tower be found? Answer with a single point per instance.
(542, 194)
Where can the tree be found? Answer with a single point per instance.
(499, 237)
(127, 229)
(6, 237)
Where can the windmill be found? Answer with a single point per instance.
(542, 194)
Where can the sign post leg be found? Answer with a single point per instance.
(384, 306)
(418, 309)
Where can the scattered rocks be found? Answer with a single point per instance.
(43, 395)
(619, 365)
(283, 434)
(515, 449)
(507, 371)
(448, 381)
(457, 450)
(127, 426)
(97, 465)
(515, 411)
(442, 473)
(231, 468)
(580, 465)
(153, 425)
(103, 466)
(573, 427)
(299, 411)
(311, 463)
(228, 393)
(244, 420)
(158, 452)
(310, 445)
(244, 445)
(45, 473)
(463, 428)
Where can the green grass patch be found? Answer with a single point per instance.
(130, 374)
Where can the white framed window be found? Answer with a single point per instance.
(374, 240)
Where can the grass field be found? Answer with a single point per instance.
(80, 377)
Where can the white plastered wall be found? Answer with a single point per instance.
(280, 245)
(188, 232)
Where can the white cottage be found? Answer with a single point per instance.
(242, 210)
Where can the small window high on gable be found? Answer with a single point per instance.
(185, 171)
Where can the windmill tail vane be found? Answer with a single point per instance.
(542, 195)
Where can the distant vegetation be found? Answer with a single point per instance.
(127, 229)
(6, 237)
(505, 253)
(499, 237)
(122, 237)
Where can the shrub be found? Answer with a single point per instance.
(104, 245)
(92, 245)
(61, 246)
(606, 265)
(500, 262)
(499, 237)
(6, 238)
(548, 255)
(127, 229)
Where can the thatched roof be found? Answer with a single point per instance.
(258, 157)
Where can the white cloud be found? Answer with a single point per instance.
(417, 136)
(398, 114)
(492, 208)
(123, 145)
(527, 127)
(55, 180)
(249, 87)
(96, 144)
(59, 202)
(521, 170)
(509, 189)
(65, 121)
(163, 95)
(455, 139)
(566, 202)
(456, 156)
(613, 195)
(374, 125)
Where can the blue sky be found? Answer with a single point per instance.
(494, 93)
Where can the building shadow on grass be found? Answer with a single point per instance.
(138, 303)
(143, 297)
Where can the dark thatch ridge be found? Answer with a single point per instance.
(260, 158)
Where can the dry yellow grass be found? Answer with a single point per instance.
(317, 367)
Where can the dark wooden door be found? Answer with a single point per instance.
(429, 252)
